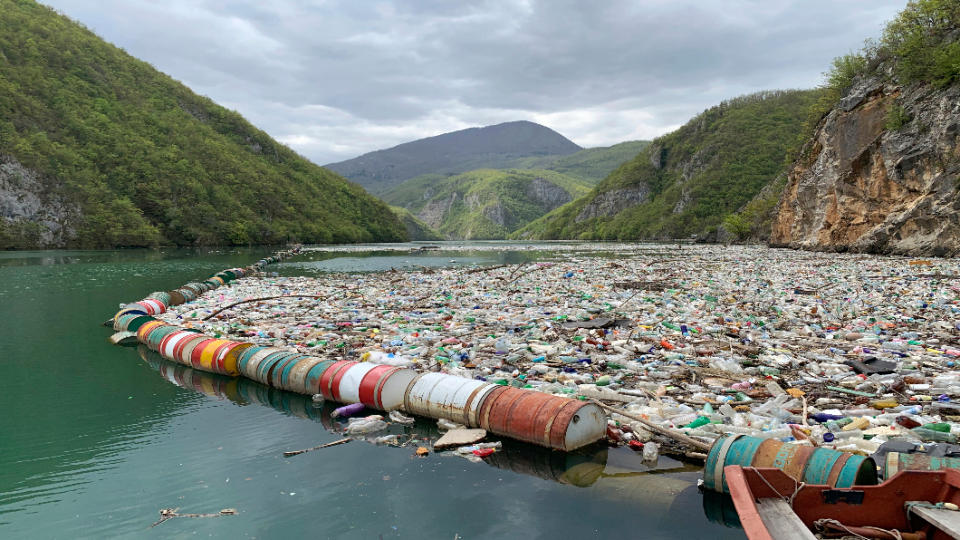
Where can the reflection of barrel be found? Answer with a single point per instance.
(540, 418)
(580, 469)
(719, 508)
(896, 462)
(438, 395)
(806, 464)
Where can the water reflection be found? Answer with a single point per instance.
(619, 471)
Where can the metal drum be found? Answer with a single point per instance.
(349, 387)
(330, 379)
(542, 419)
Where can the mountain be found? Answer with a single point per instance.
(485, 203)
(684, 183)
(416, 229)
(99, 149)
(881, 171)
(490, 147)
(590, 164)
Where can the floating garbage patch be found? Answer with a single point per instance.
(807, 362)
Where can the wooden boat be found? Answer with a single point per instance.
(912, 505)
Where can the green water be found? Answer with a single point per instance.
(96, 439)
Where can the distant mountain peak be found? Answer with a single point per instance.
(459, 151)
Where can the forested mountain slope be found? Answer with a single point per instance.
(99, 149)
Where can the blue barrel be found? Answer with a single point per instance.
(820, 465)
(246, 355)
(728, 450)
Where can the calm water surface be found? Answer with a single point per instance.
(96, 439)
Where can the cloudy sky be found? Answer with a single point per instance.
(336, 78)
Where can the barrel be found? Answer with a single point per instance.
(170, 342)
(438, 395)
(120, 322)
(280, 374)
(311, 379)
(297, 381)
(896, 462)
(251, 364)
(330, 379)
(244, 357)
(176, 297)
(371, 387)
(162, 296)
(183, 349)
(227, 358)
(348, 389)
(202, 356)
(820, 466)
(152, 306)
(265, 367)
(157, 334)
(146, 328)
(542, 419)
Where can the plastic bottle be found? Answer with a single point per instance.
(650, 451)
(935, 436)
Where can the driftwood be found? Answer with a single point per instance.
(221, 310)
(675, 435)
(170, 513)
(327, 445)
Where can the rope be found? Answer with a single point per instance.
(789, 500)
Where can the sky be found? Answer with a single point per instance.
(334, 79)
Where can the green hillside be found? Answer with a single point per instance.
(416, 229)
(685, 182)
(110, 152)
(486, 203)
(590, 164)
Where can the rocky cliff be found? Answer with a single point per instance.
(880, 175)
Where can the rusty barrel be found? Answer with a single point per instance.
(384, 387)
(202, 355)
(543, 419)
(265, 367)
(176, 297)
(280, 374)
(311, 379)
(821, 466)
(297, 380)
(895, 462)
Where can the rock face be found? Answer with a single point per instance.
(32, 208)
(613, 202)
(547, 194)
(867, 186)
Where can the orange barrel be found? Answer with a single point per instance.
(438, 395)
(226, 359)
(251, 364)
(176, 298)
(297, 381)
(157, 334)
(182, 350)
(217, 280)
(146, 328)
(789, 458)
(281, 371)
(349, 386)
(170, 342)
(542, 419)
(311, 379)
(331, 378)
(202, 356)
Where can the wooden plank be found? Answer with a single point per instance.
(947, 521)
(781, 521)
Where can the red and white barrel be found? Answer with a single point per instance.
(348, 387)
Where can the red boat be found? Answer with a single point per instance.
(912, 505)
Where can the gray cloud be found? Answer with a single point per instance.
(336, 78)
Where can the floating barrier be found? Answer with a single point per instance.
(539, 418)
(803, 464)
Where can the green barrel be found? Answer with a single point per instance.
(267, 364)
(819, 466)
(139, 321)
(246, 355)
(896, 462)
(121, 322)
(156, 336)
(728, 450)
